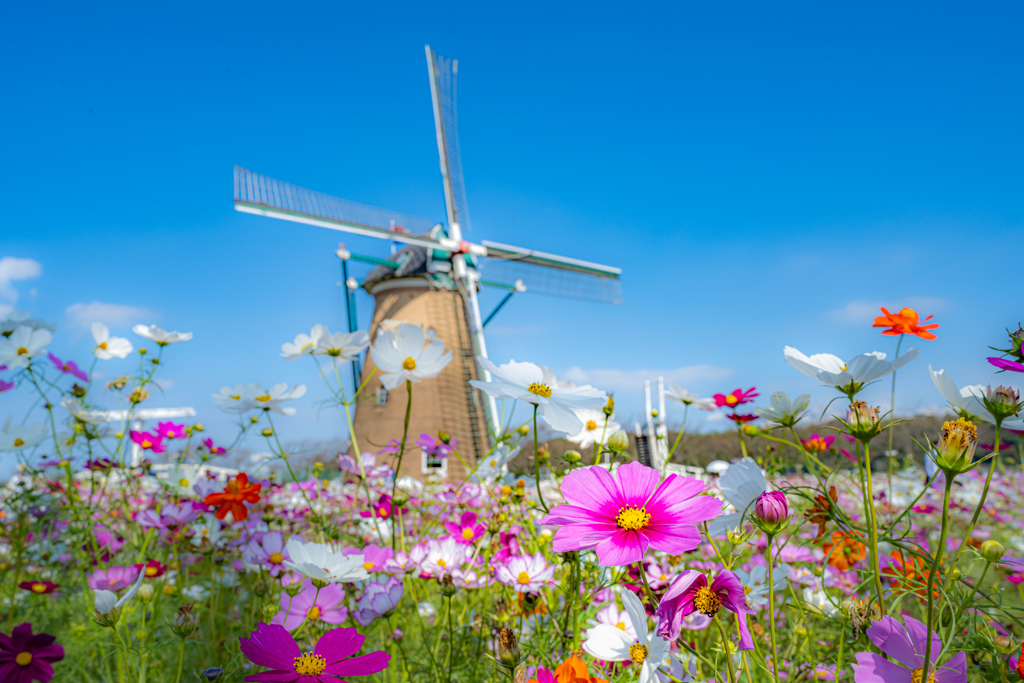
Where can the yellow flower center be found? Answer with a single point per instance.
(663, 578)
(236, 397)
(310, 664)
(632, 518)
(442, 563)
(264, 398)
(523, 578)
(409, 363)
(146, 443)
(368, 566)
(638, 653)
(314, 613)
(917, 674)
(23, 658)
(621, 626)
(183, 482)
(591, 425)
(493, 463)
(102, 345)
(38, 587)
(706, 601)
(151, 571)
(21, 352)
(844, 368)
(960, 433)
(19, 442)
(467, 534)
(731, 400)
(540, 389)
(170, 434)
(276, 558)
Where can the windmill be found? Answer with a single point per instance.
(431, 281)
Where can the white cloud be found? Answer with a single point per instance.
(633, 380)
(13, 269)
(860, 312)
(84, 315)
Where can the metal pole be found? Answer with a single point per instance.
(652, 437)
(498, 307)
(662, 427)
(350, 310)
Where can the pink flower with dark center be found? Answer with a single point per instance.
(113, 578)
(383, 509)
(817, 444)
(68, 367)
(152, 569)
(149, 442)
(690, 592)
(327, 606)
(39, 587)
(740, 418)
(271, 646)
(214, 449)
(905, 645)
(466, 531)
(268, 552)
(737, 398)
(622, 516)
(27, 657)
(169, 430)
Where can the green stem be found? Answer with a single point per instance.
(931, 576)
(869, 508)
(970, 598)
(726, 649)
(771, 609)
(181, 661)
(401, 449)
(647, 587)
(892, 419)
(984, 495)
(536, 461)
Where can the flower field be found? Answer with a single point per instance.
(135, 555)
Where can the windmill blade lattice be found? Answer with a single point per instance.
(447, 71)
(553, 281)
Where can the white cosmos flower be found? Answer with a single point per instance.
(401, 355)
(278, 394)
(207, 528)
(783, 410)
(239, 399)
(966, 400)
(106, 601)
(160, 335)
(677, 393)
(304, 344)
(181, 478)
(91, 416)
(343, 346)
(493, 465)
(851, 375)
(612, 644)
(536, 384)
(24, 343)
(597, 427)
(741, 484)
(108, 347)
(320, 561)
(14, 437)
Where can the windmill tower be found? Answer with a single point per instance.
(432, 281)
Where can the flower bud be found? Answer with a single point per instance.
(618, 441)
(145, 592)
(736, 536)
(268, 432)
(318, 466)
(1002, 402)
(198, 426)
(508, 648)
(139, 394)
(214, 673)
(955, 451)
(572, 457)
(543, 457)
(397, 634)
(185, 621)
(254, 419)
(142, 351)
(654, 413)
(443, 438)
(771, 511)
(954, 574)
(293, 589)
(270, 610)
(862, 421)
(992, 550)
(609, 407)
(523, 430)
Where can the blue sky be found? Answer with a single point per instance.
(764, 175)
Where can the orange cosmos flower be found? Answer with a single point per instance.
(236, 493)
(572, 670)
(909, 574)
(844, 550)
(905, 322)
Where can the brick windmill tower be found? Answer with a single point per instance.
(432, 281)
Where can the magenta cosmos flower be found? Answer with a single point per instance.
(27, 657)
(213, 448)
(68, 367)
(383, 509)
(466, 530)
(906, 646)
(271, 646)
(1006, 364)
(268, 552)
(327, 606)
(622, 516)
(149, 442)
(169, 430)
(690, 592)
(113, 578)
(737, 398)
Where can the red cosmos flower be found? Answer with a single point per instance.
(741, 419)
(737, 398)
(905, 322)
(153, 568)
(236, 493)
(39, 587)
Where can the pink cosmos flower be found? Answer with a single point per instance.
(740, 418)
(328, 606)
(690, 592)
(113, 578)
(470, 578)
(509, 543)
(818, 444)
(379, 599)
(400, 564)
(622, 516)
(905, 645)
(268, 552)
(27, 656)
(271, 646)
(431, 445)
(1004, 364)
(170, 515)
(68, 367)
(153, 569)
(526, 574)
(375, 559)
(438, 558)
(737, 398)
(658, 574)
(466, 531)
(619, 618)
(149, 442)
(383, 509)
(369, 462)
(5, 386)
(214, 449)
(169, 430)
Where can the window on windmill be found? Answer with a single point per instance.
(434, 465)
(382, 395)
(431, 333)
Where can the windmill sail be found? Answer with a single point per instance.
(264, 196)
(552, 275)
(443, 89)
